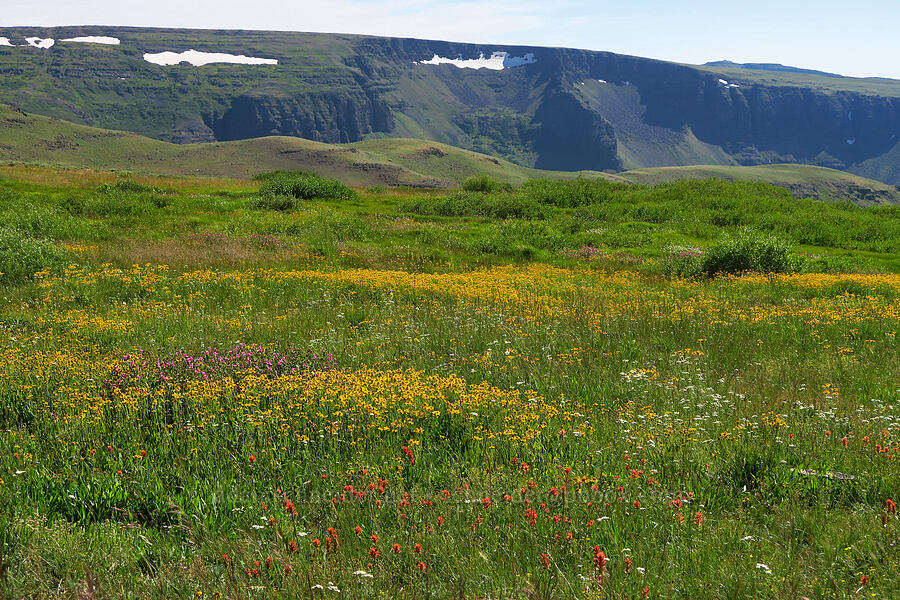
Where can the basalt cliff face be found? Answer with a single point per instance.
(551, 108)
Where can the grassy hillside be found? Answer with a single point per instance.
(37, 140)
(802, 180)
(876, 86)
(34, 139)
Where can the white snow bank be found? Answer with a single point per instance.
(5, 42)
(40, 42)
(94, 39)
(198, 59)
(601, 81)
(723, 82)
(497, 62)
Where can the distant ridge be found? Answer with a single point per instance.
(557, 109)
(768, 67)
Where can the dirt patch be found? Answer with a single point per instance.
(430, 152)
(58, 143)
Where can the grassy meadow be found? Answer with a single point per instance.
(219, 388)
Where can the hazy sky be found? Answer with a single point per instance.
(858, 38)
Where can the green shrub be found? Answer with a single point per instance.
(305, 186)
(274, 202)
(128, 186)
(22, 256)
(748, 250)
(571, 194)
(123, 198)
(468, 204)
(486, 184)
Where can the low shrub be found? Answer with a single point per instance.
(274, 202)
(305, 186)
(486, 185)
(748, 250)
(128, 186)
(571, 194)
(470, 204)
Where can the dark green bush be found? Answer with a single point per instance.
(748, 250)
(486, 185)
(22, 256)
(305, 186)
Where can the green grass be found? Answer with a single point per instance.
(206, 398)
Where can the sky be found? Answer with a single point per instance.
(857, 38)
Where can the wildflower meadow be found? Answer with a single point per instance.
(205, 398)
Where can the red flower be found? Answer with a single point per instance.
(891, 506)
(317, 542)
(440, 520)
(864, 580)
(420, 566)
(292, 545)
(252, 458)
(698, 518)
(637, 504)
(417, 548)
(599, 559)
(373, 552)
(545, 560)
(225, 558)
(269, 562)
(358, 530)
(486, 502)
(287, 569)
(396, 548)
(374, 537)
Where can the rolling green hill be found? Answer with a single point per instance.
(37, 140)
(34, 139)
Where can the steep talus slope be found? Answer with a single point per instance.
(565, 109)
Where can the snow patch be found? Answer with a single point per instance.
(40, 42)
(601, 81)
(94, 39)
(199, 59)
(723, 82)
(5, 42)
(497, 62)
(851, 141)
